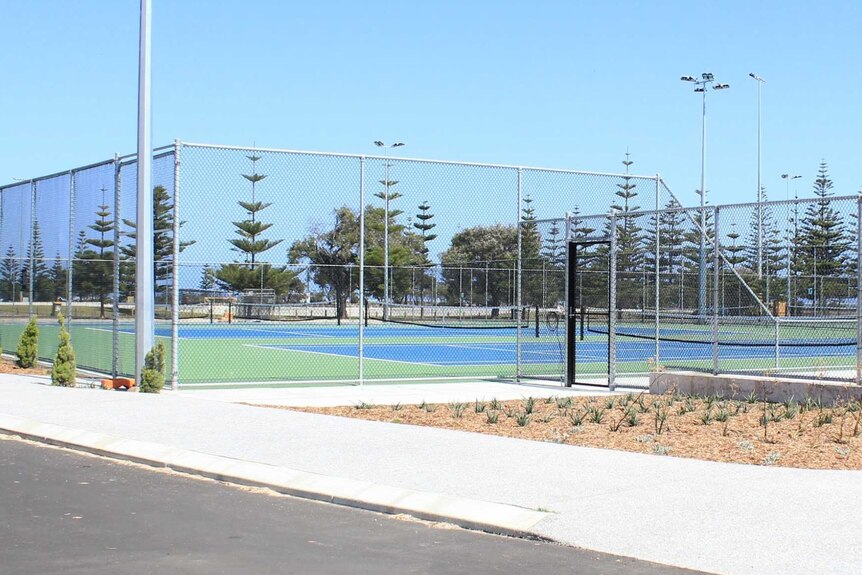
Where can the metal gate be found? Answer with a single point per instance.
(590, 311)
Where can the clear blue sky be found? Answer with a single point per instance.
(561, 84)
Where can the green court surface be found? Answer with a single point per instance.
(302, 353)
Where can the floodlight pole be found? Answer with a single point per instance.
(707, 79)
(760, 82)
(386, 185)
(144, 249)
(787, 178)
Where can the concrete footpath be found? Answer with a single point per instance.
(714, 517)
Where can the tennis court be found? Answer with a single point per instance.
(315, 352)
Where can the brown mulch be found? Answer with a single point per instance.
(795, 435)
(9, 366)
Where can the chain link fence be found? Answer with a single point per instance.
(282, 267)
(765, 289)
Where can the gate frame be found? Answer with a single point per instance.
(572, 246)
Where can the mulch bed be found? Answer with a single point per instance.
(8, 366)
(794, 435)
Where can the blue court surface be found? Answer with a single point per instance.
(546, 353)
(298, 330)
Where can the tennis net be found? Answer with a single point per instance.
(749, 331)
(455, 317)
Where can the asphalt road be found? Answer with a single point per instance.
(65, 512)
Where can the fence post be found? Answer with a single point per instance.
(859, 290)
(361, 350)
(31, 276)
(657, 268)
(115, 305)
(612, 305)
(518, 288)
(716, 271)
(69, 274)
(568, 311)
(175, 275)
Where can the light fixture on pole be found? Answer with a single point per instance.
(787, 178)
(707, 79)
(386, 196)
(760, 83)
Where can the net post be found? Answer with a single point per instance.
(537, 321)
(69, 274)
(363, 309)
(716, 271)
(518, 310)
(777, 340)
(115, 305)
(175, 274)
(859, 290)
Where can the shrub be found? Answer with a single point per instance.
(28, 345)
(64, 370)
(153, 374)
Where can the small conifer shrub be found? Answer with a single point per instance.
(65, 370)
(28, 345)
(153, 374)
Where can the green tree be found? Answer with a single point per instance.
(42, 285)
(691, 259)
(822, 255)
(491, 248)
(532, 263)
(424, 225)
(93, 267)
(251, 273)
(10, 276)
(774, 257)
(553, 261)
(163, 246)
(208, 279)
(59, 278)
(332, 252)
(630, 243)
(671, 226)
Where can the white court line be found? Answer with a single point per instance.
(121, 332)
(336, 354)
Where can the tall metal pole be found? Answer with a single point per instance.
(386, 185)
(707, 79)
(760, 82)
(701, 284)
(386, 243)
(791, 220)
(144, 250)
(518, 285)
(175, 275)
(361, 351)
